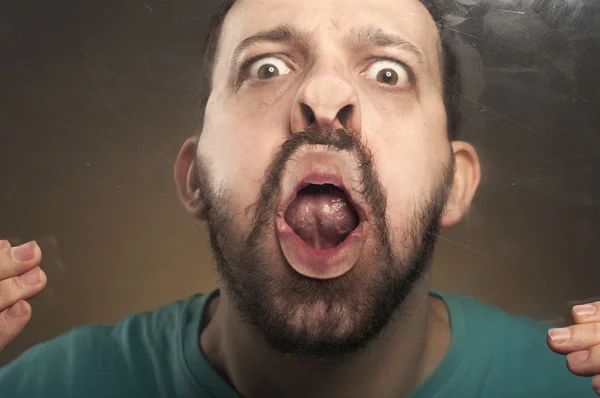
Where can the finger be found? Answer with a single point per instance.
(596, 383)
(21, 287)
(12, 321)
(585, 362)
(574, 338)
(586, 313)
(17, 260)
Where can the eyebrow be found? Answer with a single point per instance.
(281, 34)
(373, 36)
(357, 38)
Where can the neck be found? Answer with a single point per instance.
(407, 352)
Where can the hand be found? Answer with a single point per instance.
(20, 279)
(580, 342)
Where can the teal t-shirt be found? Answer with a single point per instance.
(157, 355)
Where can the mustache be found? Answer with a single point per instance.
(334, 139)
(338, 140)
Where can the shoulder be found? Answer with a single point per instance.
(59, 366)
(512, 351)
(99, 360)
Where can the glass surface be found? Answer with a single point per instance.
(96, 98)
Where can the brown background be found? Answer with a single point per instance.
(97, 97)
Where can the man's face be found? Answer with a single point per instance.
(326, 124)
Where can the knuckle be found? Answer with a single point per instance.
(579, 335)
(10, 291)
(575, 331)
(14, 288)
(6, 327)
(595, 353)
(5, 253)
(14, 284)
(8, 266)
(586, 334)
(573, 369)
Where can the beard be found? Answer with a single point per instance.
(327, 319)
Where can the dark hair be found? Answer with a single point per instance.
(450, 71)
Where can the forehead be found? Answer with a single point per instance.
(332, 19)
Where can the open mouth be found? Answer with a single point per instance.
(322, 215)
(321, 226)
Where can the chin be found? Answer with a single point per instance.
(306, 316)
(320, 320)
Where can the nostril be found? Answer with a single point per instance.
(308, 114)
(344, 115)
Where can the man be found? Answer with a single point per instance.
(325, 168)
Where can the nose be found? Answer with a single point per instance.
(326, 102)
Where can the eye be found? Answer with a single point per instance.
(388, 72)
(267, 68)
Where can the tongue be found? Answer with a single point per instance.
(321, 216)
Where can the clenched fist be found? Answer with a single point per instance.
(20, 279)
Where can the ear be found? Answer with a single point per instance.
(187, 186)
(466, 181)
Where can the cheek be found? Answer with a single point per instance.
(238, 145)
(410, 149)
